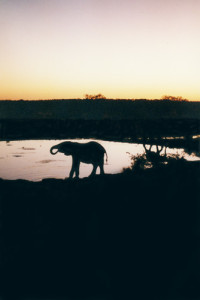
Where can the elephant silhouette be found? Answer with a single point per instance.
(89, 153)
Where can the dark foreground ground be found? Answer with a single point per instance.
(126, 236)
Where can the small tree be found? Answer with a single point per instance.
(173, 98)
(94, 97)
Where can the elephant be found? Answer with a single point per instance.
(89, 153)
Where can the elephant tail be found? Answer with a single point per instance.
(106, 157)
(53, 148)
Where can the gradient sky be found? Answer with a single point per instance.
(121, 48)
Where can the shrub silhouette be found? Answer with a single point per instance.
(141, 162)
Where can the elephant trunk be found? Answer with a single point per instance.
(53, 148)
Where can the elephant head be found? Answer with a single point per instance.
(63, 148)
(54, 148)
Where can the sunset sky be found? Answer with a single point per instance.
(53, 49)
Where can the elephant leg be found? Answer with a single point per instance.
(77, 169)
(101, 166)
(94, 170)
(71, 172)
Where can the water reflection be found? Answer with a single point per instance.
(32, 160)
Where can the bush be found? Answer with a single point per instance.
(140, 162)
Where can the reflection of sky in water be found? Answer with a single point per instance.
(32, 160)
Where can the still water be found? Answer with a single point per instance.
(31, 159)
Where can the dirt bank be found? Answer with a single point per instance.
(123, 236)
